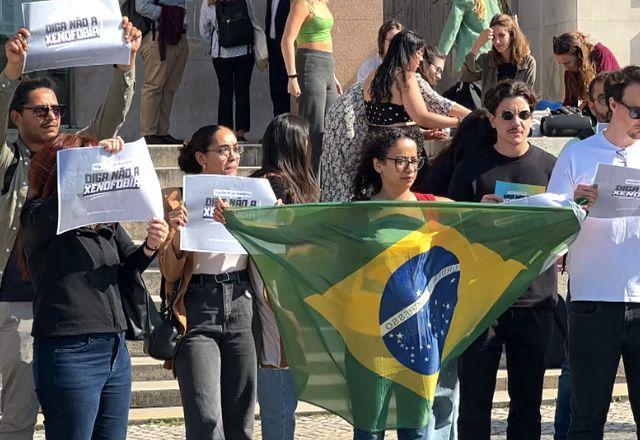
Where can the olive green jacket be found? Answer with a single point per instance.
(484, 68)
(15, 157)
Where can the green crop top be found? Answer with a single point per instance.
(315, 30)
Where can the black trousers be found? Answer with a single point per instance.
(234, 78)
(525, 333)
(601, 333)
(278, 79)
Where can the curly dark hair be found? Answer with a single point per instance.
(375, 146)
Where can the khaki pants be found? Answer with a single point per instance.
(161, 80)
(19, 401)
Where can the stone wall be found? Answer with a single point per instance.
(355, 32)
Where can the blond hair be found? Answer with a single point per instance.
(480, 9)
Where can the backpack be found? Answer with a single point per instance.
(144, 24)
(466, 94)
(234, 24)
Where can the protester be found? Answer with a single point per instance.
(215, 362)
(387, 31)
(81, 366)
(164, 54)
(433, 66)
(347, 127)
(581, 60)
(509, 57)
(275, 20)
(233, 59)
(310, 66)
(525, 328)
(604, 301)
(389, 165)
(597, 101)
(33, 107)
(474, 132)
(466, 20)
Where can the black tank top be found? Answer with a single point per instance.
(385, 113)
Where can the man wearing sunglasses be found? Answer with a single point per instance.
(34, 108)
(603, 265)
(525, 328)
(597, 100)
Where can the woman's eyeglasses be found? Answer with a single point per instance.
(402, 162)
(42, 111)
(561, 45)
(508, 115)
(225, 150)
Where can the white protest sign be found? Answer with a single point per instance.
(203, 233)
(99, 187)
(618, 192)
(71, 33)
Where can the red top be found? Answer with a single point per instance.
(604, 61)
(424, 197)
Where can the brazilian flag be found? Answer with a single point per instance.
(372, 298)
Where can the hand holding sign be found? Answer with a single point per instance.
(133, 36)
(16, 51)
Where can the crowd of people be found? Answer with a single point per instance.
(61, 320)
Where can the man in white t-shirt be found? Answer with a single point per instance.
(604, 266)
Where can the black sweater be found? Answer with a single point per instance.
(75, 274)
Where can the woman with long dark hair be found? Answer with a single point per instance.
(509, 57)
(581, 60)
(212, 297)
(392, 95)
(81, 365)
(474, 132)
(286, 163)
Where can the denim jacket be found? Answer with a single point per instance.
(15, 157)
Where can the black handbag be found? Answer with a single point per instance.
(567, 122)
(139, 310)
(162, 342)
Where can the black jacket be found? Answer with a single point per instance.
(281, 18)
(75, 274)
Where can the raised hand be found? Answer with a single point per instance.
(16, 51)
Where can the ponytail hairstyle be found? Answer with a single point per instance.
(518, 46)
(480, 9)
(200, 141)
(286, 153)
(375, 146)
(403, 46)
(43, 178)
(577, 44)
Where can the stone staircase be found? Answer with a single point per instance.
(155, 393)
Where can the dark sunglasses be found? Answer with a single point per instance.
(634, 112)
(561, 45)
(42, 111)
(508, 115)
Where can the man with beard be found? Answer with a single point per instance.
(490, 174)
(597, 100)
(33, 107)
(603, 265)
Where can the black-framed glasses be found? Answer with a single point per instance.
(42, 111)
(225, 150)
(439, 70)
(634, 112)
(402, 162)
(602, 99)
(508, 115)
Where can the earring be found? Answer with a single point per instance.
(202, 165)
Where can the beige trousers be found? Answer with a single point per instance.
(161, 80)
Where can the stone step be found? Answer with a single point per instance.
(172, 176)
(146, 369)
(167, 155)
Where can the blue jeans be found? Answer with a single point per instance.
(278, 401)
(84, 386)
(444, 414)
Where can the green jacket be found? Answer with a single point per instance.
(15, 157)
(463, 27)
(484, 68)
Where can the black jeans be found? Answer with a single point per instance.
(525, 334)
(278, 79)
(234, 77)
(216, 363)
(600, 333)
